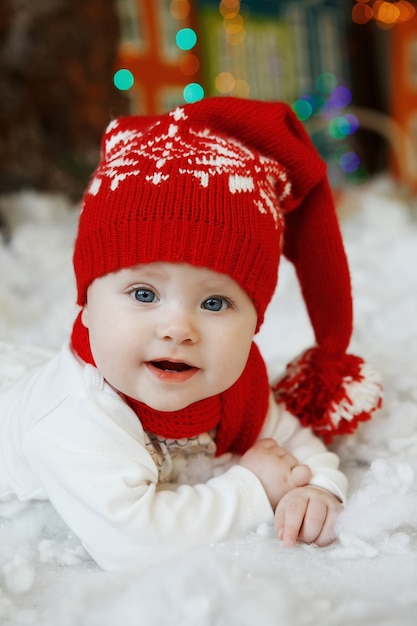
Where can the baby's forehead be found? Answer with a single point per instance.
(168, 270)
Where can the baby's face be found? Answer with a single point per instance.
(169, 334)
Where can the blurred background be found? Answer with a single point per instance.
(67, 67)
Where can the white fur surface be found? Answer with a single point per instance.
(369, 577)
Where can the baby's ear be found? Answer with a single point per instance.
(84, 316)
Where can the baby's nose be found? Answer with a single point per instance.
(179, 328)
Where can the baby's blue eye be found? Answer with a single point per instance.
(215, 304)
(147, 296)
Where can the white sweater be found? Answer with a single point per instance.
(67, 436)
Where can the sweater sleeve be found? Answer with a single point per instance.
(94, 467)
(287, 431)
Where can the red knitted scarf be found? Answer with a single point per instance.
(238, 413)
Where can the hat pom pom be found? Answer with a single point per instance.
(329, 393)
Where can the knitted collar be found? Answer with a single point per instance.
(237, 414)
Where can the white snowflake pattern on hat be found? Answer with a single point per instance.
(199, 153)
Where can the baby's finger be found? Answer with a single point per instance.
(289, 517)
(301, 475)
(328, 533)
(314, 521)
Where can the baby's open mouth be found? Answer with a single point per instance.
(170, 366)
(172, 372)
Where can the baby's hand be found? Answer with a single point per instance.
(278, 471)
(307, 514)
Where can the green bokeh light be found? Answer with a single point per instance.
(326, 83)
(303, 109)
(123, 79)
(186, 38)
(193, 92)
(359, 176)
(339, 128)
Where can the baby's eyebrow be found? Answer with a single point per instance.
(144, 275)
(215, 290)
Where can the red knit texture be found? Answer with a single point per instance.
(143, 205)
(230, 184)
(315, 388)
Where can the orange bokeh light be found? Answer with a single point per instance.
(224, 83)
(362, 13)
(180, 9)
(229, 8)
(407, 11)
(189, 64)
(386, 14)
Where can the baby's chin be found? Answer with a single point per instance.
(171, 401)
(161, 404)
(171, 407)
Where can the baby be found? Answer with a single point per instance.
(176, 259)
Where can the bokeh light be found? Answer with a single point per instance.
(229, 8)
(233, 22)
(189, 64)
(339, 128)
(303, 109)
(407, 11)
(241, 89)
(343, 125)
(329, 106)
(236, 36)
(123, 79)
(349, 161)
(359, 176)
(193, 92)
(353, 122)
(326, 83)
(224, 82)
(362, 13)
(180, 9)
(386, 14)
(186, 38)
(340, 97)
(318, 102)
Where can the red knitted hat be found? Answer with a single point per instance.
(230, 184)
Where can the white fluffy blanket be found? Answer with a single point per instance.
(368, 577)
